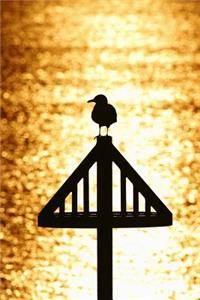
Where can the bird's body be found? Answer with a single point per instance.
(103, 113)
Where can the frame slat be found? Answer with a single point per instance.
(86, 193)
(135, 200)
(62, 207)
(123, 193)
(74, 200)
(147, 207)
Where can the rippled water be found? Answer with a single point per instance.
(144, 55)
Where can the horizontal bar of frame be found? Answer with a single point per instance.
(117, 220)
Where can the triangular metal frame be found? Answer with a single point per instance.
(49, 218)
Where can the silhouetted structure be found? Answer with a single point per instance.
(103, 113)
(54, 214)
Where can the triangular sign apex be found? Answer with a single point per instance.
(104, 145)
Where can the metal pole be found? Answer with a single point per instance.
(104, 208)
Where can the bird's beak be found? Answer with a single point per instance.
(92, 100)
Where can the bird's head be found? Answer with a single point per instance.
(99, 99)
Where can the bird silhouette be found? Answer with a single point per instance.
(103, 113)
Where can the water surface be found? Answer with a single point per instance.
(144, 55)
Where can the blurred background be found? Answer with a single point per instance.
(144, 55)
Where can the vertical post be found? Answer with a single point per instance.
(104, 208)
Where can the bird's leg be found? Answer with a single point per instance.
(99, 130)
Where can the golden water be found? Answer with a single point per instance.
(144, 55)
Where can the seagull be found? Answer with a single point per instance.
(103, 113)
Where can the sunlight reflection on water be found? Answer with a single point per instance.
(145, 57)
